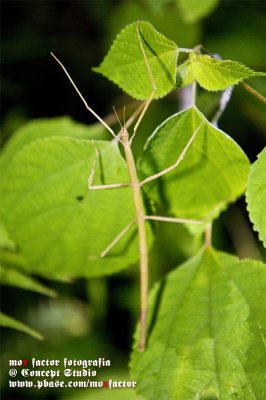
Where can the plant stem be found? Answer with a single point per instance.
(193, 93)
(253, 92)
(143, 248)
(208, 235)
(184, 50)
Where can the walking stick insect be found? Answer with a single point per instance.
(140, 218)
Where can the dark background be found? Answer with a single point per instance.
(98, 317)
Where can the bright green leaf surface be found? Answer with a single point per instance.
(41, 128)
(256, 195)
(206, 332)
(60, 226)
(213, 74)
(5, 241)
(193, 10)
(9, 322)
(38, 129)
(12, 277)
(184, 74)
(212, 173)
(125, 65)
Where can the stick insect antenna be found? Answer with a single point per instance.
(82, 98)
(117, 117)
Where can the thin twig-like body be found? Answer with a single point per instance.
(143, 246)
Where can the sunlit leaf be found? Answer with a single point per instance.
(125, 64)
(206, 335)
(256, 195)
(60, 226)
(5, 240)
(212, 173)
(42, 128)
(212, 74)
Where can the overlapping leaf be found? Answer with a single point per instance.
(60, 226)
(193, 10)
(9, 322)
(125, 64)
(212, 173)
(42, 128)
(212, 74)
(12, 277)
(256, 195)
(206, 333)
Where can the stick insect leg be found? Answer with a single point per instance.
(180, 158)
(174, 220)
(91, 176)
(84, 101)
(148, 102)
(117, 238)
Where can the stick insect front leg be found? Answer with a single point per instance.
(178, 161)
(91, 176)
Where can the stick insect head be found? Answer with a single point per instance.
(124, 135)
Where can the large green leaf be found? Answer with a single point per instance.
(60, 226)
(193, 10)
(125, 64)
(5, 240)
(206, 338)
(41, 128)
(12, 277)
(256, 195)
(9, 322)
(212, 74)
(212, 174)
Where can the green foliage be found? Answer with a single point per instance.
(206, 332)
(5, 240)
(256, 195)
(9, 322)
(52, 215)
(212, 173)
(206, 318)
(212, 74)
(193, 10)
(47, 127)
(125, 64)
(10, 276)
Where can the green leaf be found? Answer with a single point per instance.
(212, 173)
(10, 276)
(213, 74)
(184, 74)
(42, 128)
(5, 240)
(46, 127)
(157, 5)
(193, 10)
(125, 65)
(9, 322)
(256, 195)
(60, 226)
(206, 332)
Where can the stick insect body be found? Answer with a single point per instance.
(140, 217)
